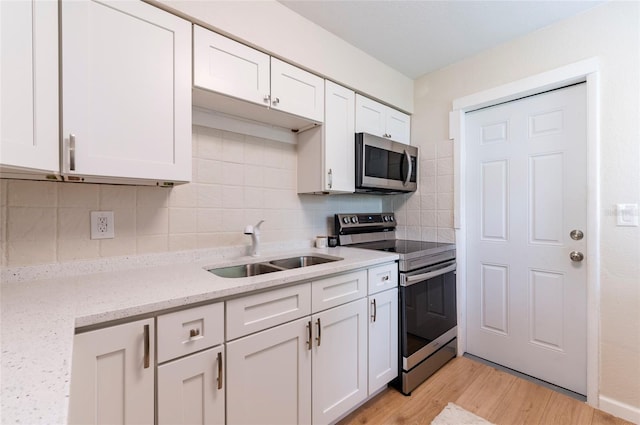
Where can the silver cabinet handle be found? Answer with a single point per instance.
(375, 310)
(146, 346)
(72, 152)
(385, 278)
(219, 379)
(276, 101)
(330, 183)
(319, 337)
(266, 98)
(576, 256)
(310, 339)
(410, 167)
(194, 333)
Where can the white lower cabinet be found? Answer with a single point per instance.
(302, 354)
(339, 360)
(269, 376)
(112, 378)
(191, 389)
(383, 339)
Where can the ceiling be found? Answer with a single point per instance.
(420, 36)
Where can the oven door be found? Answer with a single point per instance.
(428, 316)
(385, 166)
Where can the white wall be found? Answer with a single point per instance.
(610, 32)
(275, 29)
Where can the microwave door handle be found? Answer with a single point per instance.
(410, 280)
(410, 167)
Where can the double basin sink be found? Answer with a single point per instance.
(255, 269)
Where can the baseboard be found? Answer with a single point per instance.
(619, 409)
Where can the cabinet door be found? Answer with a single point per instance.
(112, 377)
(269, 376)
(339, 360)
(383, 339)
(29, 85)
(398, 126)
(339, 138)
(191, 389)
(225, 66)
(126, 91)
(296, 91)
(370, 116)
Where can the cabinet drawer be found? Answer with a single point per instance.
(333, 291)
(383, 277)
(261, 311)
(188, 331)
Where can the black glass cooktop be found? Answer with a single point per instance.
(402, 246)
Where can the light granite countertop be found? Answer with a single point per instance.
(40, 313)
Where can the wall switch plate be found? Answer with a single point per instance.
(627, 214)
(102, 225)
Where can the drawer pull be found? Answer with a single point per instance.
(219, 380)
(194, 333)
(375, 310)
(310, 340)
(319, 338)
(385, 278)
(146, 346)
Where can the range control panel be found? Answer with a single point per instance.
(380, 221)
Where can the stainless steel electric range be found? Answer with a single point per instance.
(427, 302)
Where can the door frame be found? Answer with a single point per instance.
(583, 71)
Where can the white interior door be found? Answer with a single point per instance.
(525, 194)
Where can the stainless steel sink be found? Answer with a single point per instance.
(303, 261)
(255, 269)
(245, 270)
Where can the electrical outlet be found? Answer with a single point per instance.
(102, 225)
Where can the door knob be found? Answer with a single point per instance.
(576, 256)
(576, 234)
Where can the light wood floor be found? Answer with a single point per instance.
(497, 396)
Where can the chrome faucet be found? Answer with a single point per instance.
(254, 231)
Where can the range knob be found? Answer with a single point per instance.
(390, 218)
(354, 219)
(385, 218)
(345, 220)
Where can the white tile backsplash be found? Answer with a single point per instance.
(24, 193)
(78, 195)
(238, 180)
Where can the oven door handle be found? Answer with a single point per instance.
(410, 280)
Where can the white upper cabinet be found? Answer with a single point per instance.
(126, 93)
(380, 120)
(29, 86)
(326, 155)
(296, 91)
(225, 72)
(226, 66)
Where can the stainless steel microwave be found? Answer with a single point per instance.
(384, 166)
